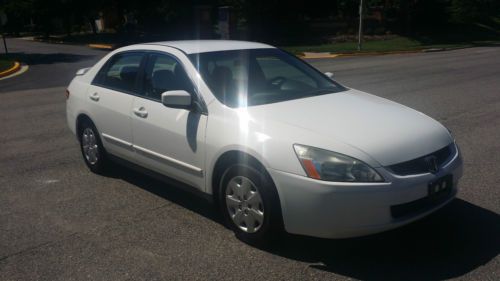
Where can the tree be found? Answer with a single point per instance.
(17, 11)
(470, 11)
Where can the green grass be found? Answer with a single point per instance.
(5, 63)
(393, 44)
(485, 33)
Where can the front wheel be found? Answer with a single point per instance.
(250, 204)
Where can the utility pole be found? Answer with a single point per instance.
(5, 45)
(3, 22)
(360, 33)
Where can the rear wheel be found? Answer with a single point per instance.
(91, 147)
(250, 204)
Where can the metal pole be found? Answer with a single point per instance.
(360, 33)
(5, 44)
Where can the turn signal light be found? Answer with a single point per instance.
(310, 169)
(67, 94)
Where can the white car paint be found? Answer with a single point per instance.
(113, 110)
(374, 130)
(185, 147)
(203, 46)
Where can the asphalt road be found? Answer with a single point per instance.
(58, 221)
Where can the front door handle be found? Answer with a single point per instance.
(94, 97)
(141, 112)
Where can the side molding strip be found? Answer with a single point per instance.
(117, 141)
(170, 161)
(160, 157)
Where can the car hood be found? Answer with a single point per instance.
(387, 131)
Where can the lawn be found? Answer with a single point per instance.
(453, 36)
(394, 44)
(5, 63)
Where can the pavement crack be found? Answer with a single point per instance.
(29, 249)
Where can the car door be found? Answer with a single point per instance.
(112, 93)
(170, 141)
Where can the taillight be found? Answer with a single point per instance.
(67, 94)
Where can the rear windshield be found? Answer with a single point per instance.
(241, 78)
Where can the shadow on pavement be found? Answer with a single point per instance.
(37, 59)
(172, 191)
(449, 243)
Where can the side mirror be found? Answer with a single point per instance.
(82, 71)
(329, 75)
(177, 99)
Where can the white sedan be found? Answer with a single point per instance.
(276, 144)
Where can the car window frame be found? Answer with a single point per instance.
(97, 81)
(196, 95)
(143, 74)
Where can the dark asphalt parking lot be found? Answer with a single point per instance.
(58, 221)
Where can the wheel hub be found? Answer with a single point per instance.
(244, 204)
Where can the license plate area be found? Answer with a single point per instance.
(440, 187)
(439, 191)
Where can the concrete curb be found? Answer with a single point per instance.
(14, 69)
(23, 69)
(323, 55)
(101, 46)
(307, 55)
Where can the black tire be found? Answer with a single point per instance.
(272, 226)
(100, 165)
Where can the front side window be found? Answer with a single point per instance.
(251, 77)
(122, 72)
(164, 73)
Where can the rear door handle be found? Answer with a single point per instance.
(94, 97)
(141, 112)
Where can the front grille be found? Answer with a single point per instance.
(421, 165)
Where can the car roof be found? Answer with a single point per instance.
(203, 46)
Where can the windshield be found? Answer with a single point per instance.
(241, 78)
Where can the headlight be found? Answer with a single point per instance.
(331, 166)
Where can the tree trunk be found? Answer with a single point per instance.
(92, 25)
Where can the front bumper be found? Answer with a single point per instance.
(340, 210)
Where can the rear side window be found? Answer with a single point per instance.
(121, 72)
(164, 73)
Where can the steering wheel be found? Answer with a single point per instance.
(277, 81)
